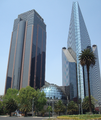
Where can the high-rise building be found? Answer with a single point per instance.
(26, 63)
(69, 73)
(95, 77)
(78, 40)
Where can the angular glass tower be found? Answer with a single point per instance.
(78, 40)
(26, 63)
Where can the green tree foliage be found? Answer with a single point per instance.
(59, 107)
(1, 104)
(10, 105)
(85, 103)
(46, 109)
(1, 97)
(11, 95)
(43, 111)
(23, 99)
(26, 96)
(72, 107)
(87, 58)
(39, 100)
(1, 107)
(49, 108)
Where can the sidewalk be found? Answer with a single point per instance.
(26, 117)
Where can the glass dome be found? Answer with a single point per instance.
(53, 92)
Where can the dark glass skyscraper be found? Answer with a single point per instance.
(26, 63)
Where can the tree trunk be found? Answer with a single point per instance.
(59, 113)
(90, 110)
(10, 114)
(25, 113)
(84, 81)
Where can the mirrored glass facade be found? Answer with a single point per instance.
(78, 40)
(26, 63)
(96, 80)
(54, 92)
(69, 73)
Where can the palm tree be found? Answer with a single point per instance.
(87, 58)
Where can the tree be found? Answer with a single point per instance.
(87, 58)
(1, 97)
(10, 105)
(1, 107)
(11, 93)
(45, 109)
(29, 96)
(59, 107)
(26, 96)
(49, 108)
(39, 100)
(10, 101)
(1, 104)
(85, 103)
(72, 107)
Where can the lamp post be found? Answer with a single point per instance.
(53, 107)
(67, 105)
(32, 105)
(49, 102)
(79, 109)
(80, 90)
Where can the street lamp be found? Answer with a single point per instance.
(53, 106)
(67, 105)
(32, 105)
(49, 101)
(79, 109)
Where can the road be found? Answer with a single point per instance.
(22, 118)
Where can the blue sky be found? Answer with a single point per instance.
(56, 15)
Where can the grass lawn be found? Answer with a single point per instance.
(78, 117)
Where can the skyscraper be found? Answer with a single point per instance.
(69, 73)
(26, 63)
(95, 77)
(78, 40)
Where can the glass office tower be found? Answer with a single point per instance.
(26, 63)
(96, 80)
(69, 73)
(78, 40)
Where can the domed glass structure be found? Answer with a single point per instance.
(54, 92)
